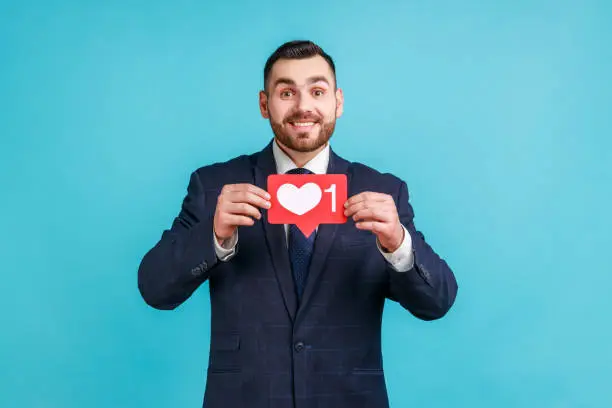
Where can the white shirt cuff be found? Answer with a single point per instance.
(402, 259)
(225, 252)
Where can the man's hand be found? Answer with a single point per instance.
(376, 212)
(237, 205)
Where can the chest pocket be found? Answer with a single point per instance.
(361, 240)
(355, 244)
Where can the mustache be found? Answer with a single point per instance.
(302, 117)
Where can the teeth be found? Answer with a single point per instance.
(303, 124)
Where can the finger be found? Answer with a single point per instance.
(238, 220)
(366, 195)
(245, 187)
(354, 208)
(373, 214)
(249, 198)
(259, 191)
(374, 226)
(242, 209)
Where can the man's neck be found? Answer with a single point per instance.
(299, 158)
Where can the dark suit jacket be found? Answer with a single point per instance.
(267, 351)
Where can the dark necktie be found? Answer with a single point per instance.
(300, 249)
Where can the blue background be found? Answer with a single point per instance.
(497, 114)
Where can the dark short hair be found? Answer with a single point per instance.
(298, 49)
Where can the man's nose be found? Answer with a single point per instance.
(304, 103)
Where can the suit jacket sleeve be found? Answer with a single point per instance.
(429, 289)
(185, 254)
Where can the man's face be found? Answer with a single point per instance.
(302, 103)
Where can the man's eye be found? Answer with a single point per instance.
(286, 94)
(318, 92)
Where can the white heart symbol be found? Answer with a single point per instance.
(299, 200)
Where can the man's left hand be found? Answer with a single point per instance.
(376, 212)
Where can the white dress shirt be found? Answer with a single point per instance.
(402, 259)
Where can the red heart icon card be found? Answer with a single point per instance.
(307, 200)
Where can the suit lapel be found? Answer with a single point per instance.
(324, 239)
(275, 234)
(277, 242)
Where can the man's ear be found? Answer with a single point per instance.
(339, 102)
(263, 104)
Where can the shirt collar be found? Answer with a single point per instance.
(318, 164)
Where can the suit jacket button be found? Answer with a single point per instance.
(299, 346)
(197, 271)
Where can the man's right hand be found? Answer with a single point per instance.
(238, 205)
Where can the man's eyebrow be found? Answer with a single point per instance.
(319, 78)
(311, 80)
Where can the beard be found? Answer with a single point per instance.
(303, 142)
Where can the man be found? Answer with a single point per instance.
(296, 321)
